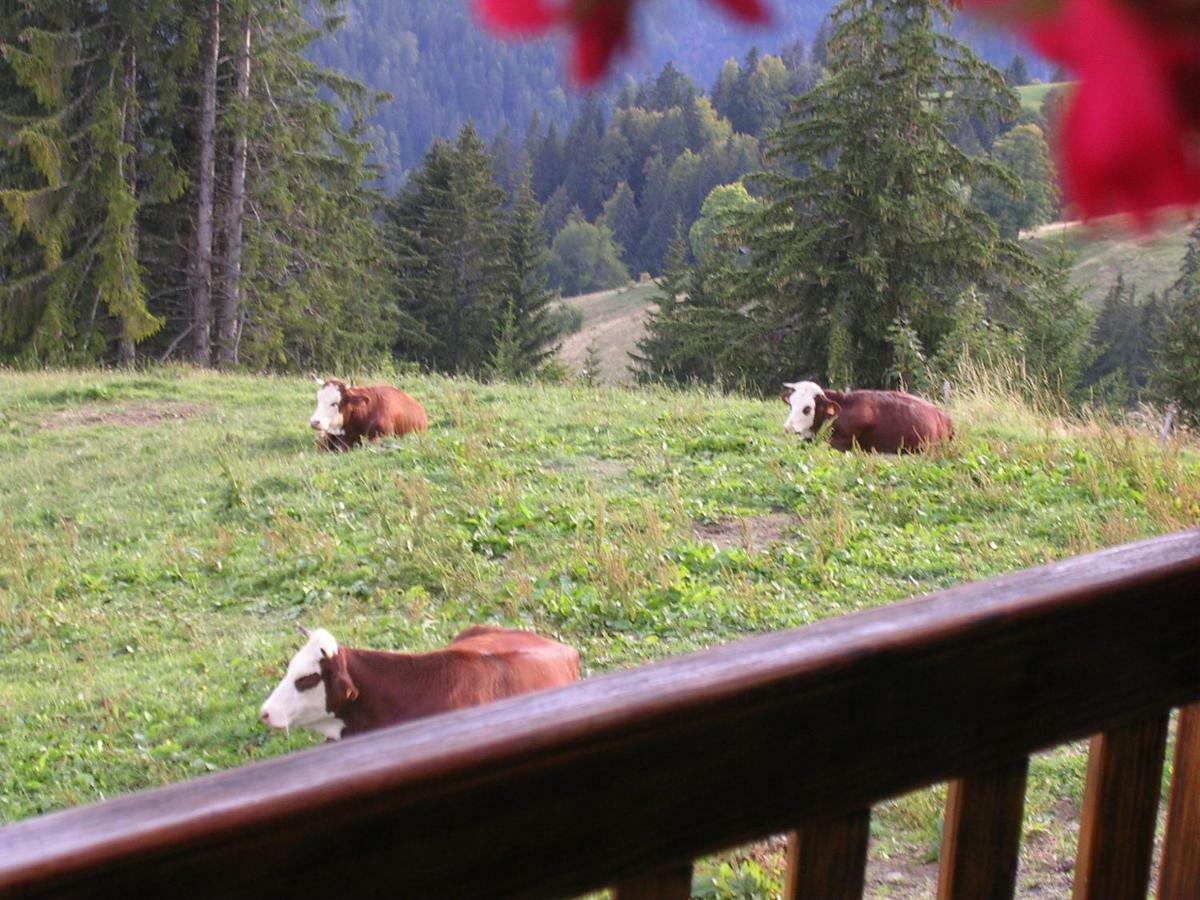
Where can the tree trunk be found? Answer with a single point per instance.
(126, 352)
(229, 315)
(202, 254)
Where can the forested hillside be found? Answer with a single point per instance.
(186, 182)
(441, 69)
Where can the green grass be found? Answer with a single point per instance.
(162, 532)
(1032, 95)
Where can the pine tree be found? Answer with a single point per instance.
(881, 227)
(593, 370)
(314, 229)
(508, 362)
(112, 107)
(620, 215)
(202, 234)
(659, 352)
(1124, 340)
(1178, 363)
(454, 272)
(68, 106)
(229, 312)
(532, 328)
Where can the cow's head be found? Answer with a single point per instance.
(809, 408)
(303, 698)
(327, 417)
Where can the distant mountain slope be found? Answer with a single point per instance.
(441, 68)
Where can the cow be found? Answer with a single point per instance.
(339, 692)
(875, 421)
(345, 415)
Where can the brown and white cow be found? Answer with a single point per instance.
(878, 421)
(343, 691)
(345, 415)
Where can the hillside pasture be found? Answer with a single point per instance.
(614, 321)
(1102, 251)
(163, 532)
(1033, 95)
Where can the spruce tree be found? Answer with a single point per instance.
(112, 113)
(314, 228)
(880, 226)
(454, 276)
(1124, 340)
(533, 329)
(657, 357)
(620, 215)
(73, 289)
(1178, 363)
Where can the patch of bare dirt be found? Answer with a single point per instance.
(138, 414)
(901, 879)
(747, 532)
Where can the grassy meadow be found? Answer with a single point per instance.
(1033, 95)
(162, 532)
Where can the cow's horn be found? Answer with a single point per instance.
(304, 631)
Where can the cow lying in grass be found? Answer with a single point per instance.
(345, 415)
(879, 421)
(342, 691)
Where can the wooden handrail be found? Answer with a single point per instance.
(628, 774)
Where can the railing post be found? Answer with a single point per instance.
(1120, 805)
(1179, 875)
(674, 883)
(828, 860)
(981, 839)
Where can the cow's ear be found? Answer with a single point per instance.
(340, 686)
(352, 399)
(344, 688)
(830, 407)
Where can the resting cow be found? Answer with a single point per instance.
(345, 415)
(879, 421)
(342, 691)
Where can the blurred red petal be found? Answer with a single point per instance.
(601, 29)
(746, 10)
(1125, 142)
(1129, 141)
(517, 16)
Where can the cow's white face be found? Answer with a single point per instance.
(299, 700)
(803, 403)
(327, 416)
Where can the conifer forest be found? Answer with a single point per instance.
(203, 181)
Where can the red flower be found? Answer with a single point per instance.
(600, 27)
(1130, 137)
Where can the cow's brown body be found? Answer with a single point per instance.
(875, 421)
(883, 421)
(374, 412)
(369, 689)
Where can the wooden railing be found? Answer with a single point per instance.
(625, 778)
